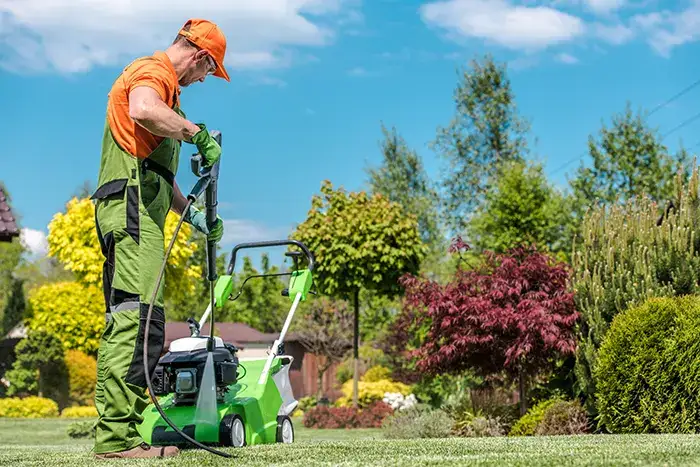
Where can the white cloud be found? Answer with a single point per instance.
(503, 23)
(358, 71)
(605, 6)
(76, 35)
(567, 58)
(617, 34)
(244, 230)
(667, 29)
(34, 241)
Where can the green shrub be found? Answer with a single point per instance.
(648, 371)
(28, 407)
(624, 258)
(81, 429)
(306, 403)
(527, 424)
(79, 412)
(563, 418)
(479, 425)
(419, 422)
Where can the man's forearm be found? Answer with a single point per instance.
(179, 200)
(148, 110)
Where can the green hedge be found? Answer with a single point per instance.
(648, 372)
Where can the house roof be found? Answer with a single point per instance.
(8, 224)
(239, 334)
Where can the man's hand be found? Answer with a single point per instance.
(208, 147)
(198, 220)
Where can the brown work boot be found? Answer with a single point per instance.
(142, 451)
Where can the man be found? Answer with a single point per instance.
(144, 130)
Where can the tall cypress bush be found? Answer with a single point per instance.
(627, 254)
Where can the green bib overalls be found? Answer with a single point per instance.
(132, 201)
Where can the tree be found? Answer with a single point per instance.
(515, 313)
(325, 330)
(522, 208)
(14, 307)
(628, 160)
(260, 303)
(628, 254)
(73, 241)
(402, 179)
(40, 368)
(485, 131)
(360, 242)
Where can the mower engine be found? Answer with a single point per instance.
(180, 370)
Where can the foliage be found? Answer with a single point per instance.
(522, 208)
(40, 368)
(82, 377)
(418, 423)
(15, 307)
(323, 416)
(513, 314)
(485, 131)
(370, 392)
(80, 412)
(629, 161)
(325, 330)
(73, 312)
(306, 403)
(260, 304)
(563, 418)
(376, 373)
(10, 259)
(627, 254)
(81, 429)
(477, 426)
(359, 242)
(528, 423)
(28, 407)
(647, 373)
(402, 179)
(73, 241)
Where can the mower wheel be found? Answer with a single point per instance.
(285, 430)
(232, 431)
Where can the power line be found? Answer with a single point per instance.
(655, 109)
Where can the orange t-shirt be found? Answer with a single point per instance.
(155, 71)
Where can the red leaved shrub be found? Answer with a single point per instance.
(323, 416)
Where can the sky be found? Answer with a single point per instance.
(312, 81)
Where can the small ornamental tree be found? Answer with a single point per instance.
(325, 330)
(360, 242)
(513, 313)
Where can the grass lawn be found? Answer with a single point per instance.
(44, 442)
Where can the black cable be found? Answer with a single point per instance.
(145, 345)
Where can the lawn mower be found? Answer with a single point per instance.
(201, 392)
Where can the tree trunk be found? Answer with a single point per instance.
(355, 349)
(322, 371)
(522, 390)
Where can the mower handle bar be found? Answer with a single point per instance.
(266, 244)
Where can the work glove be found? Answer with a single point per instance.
(198, 220)
(207, 146)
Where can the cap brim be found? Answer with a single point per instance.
(220, 70)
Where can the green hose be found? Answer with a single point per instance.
(145, 343)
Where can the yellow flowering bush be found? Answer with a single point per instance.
(72, 311)
(376, 373)
(370, 391)
(29, 407)
(82, 377)
(79, 412)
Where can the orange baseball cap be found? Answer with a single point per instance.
(209, 37)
